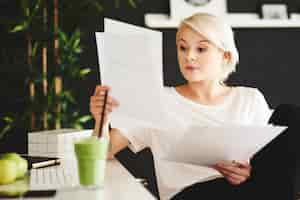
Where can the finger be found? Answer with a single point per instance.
(228, 162)
(214, 166)
(109, 100)
(234, 169)
(234, 163)
(99, 105)
(109, 109)
(113, 101)
(101, 88)
(99, 109)
(225, 163)
(97, 114)
(101, 98)
(232, 175)
(244, 164)
(234, 181)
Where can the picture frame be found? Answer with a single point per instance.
(180, 9)
(274, 11)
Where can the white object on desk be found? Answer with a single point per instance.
(55, 143)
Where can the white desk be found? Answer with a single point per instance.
(119, 185)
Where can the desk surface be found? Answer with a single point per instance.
(119, 184)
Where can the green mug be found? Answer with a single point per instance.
(91, 154)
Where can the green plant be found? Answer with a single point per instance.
(29, 19)
(8, 122)
(51, 101)
(70, 49)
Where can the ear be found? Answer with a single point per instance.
(227, 56)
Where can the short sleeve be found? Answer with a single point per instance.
(260, 110)
(138, 137)
(137, 133)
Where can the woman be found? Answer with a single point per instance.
(207, 55)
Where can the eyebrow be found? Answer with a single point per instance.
(197, 42)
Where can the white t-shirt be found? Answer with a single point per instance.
(244, 105)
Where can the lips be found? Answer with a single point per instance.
(190, 67)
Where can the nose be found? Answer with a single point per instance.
(191, 56)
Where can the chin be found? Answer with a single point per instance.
(194, 78)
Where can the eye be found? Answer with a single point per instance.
(201, 49)
(182, 48)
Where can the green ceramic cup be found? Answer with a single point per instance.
(91, 154)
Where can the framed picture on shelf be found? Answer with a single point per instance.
(274, 11)
(184, 8)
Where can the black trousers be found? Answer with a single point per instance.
(273, 168)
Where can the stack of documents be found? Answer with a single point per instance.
(209, 145)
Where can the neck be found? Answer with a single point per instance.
(204, 90)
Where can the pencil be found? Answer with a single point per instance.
(102, 114)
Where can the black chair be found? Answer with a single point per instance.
(289, 115)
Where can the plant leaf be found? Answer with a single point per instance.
(34, 49)
(98, 7)
(78, 126)
(36, 7)
(84, 72)
(62, 36)
(9, 125)
(19, 27)
(84, 118)
(132, 3)
(76, 43)
(8, 119)
(69, 96)
(5, 130)
(25, 7)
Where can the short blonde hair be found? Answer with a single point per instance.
(217, 32)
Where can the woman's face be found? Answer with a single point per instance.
(198, 58)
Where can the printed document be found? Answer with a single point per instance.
(208, 145)
(130, 60)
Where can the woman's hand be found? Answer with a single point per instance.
(235, 172)
(97, 101)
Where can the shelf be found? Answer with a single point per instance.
(236, 20)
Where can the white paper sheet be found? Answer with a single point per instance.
(130, 60)
(209, 145)
(100, 51)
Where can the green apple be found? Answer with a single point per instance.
(17, 188)
(8, 171)
(22, 164)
